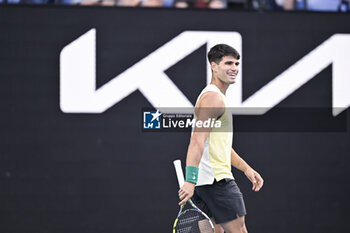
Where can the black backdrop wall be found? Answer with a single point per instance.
(88, 172)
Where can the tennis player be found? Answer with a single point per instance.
(209, 180)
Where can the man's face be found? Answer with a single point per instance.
(227, 69)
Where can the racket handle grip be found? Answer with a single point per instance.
(179, 172)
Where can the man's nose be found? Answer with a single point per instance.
(234, 67)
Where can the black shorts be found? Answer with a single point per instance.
(222, 200)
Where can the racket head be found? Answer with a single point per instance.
(192, 220)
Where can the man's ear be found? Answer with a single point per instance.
(213, 66)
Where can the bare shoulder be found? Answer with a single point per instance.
(210, 103)
(211, 99)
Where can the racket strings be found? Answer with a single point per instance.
(193, 222)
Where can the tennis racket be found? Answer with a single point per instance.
(190, 218)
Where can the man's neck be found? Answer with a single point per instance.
(222, 86)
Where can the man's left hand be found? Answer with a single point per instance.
(255, 178)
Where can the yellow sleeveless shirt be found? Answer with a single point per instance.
(216, 159)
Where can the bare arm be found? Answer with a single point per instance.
(209, 106)
(251, 174)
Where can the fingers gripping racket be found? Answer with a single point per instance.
(190, 218)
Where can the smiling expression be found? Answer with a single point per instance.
(227, 69)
